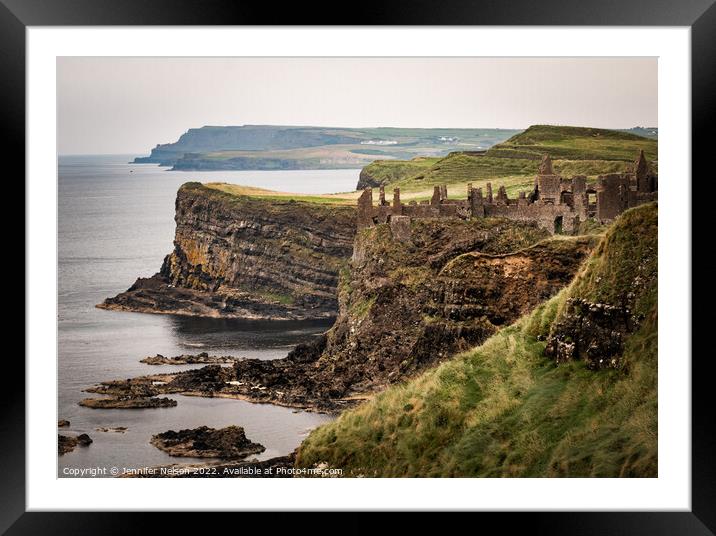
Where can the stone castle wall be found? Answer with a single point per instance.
(556, 204)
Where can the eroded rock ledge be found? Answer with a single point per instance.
(188, 359)
(204, 442)
(128, 402)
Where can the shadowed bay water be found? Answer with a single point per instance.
(116, 223)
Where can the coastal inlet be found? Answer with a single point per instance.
(113, 226)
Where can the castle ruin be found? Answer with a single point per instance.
(556, 204)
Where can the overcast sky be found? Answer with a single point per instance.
(128, 105)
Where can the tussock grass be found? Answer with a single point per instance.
(503, 410)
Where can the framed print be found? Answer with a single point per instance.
(425, 262)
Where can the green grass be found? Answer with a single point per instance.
(513, 163)
(624, 267)
(285, 299)
(259, 193)
(360, 309)
(390, 171)
(463, 168)
(575, 143)
(504, 410)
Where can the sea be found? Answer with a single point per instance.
(116, 223)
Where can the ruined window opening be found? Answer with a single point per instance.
(592, 198)
(558, 225)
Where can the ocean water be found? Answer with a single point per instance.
(116, 222)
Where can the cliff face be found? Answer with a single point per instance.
(366, 180)
(441, 288)
(238, 256)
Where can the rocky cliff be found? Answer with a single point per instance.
(247, 257)
(409, 299)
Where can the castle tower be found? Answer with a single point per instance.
(477, 203)
(644, 179)
(522, 198)
(545, 168)
(641, 167)
(364, 215)
(548, 184)
(501, 196)
(397, 206)
(435, 199)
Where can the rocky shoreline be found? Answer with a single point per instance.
(296, 381)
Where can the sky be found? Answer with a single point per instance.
(114, 105)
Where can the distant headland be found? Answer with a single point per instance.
(272, 147)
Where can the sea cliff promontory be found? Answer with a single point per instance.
(248, 256)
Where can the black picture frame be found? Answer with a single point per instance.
(699, 15)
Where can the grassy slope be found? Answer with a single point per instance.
(513, 163)
(505, 410)
(261, 193)
(575, 143)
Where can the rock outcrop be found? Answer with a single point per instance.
(67, 444)
(129, 394)
(204, 442)
(127, 402)
(366, 180)
(188, 359)
(610, 299)
(246, 257)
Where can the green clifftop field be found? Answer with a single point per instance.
(507, 409)
(514, 162)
